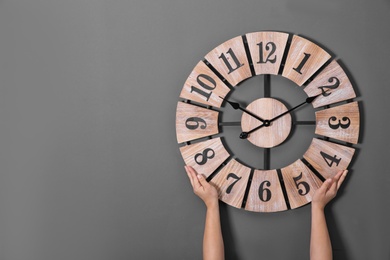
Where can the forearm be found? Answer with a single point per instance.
(320, 244)
(213, 248)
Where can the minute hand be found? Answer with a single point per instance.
(308, 100)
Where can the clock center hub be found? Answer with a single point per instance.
(272, 133)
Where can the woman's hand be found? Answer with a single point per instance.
(202, 188)
(328, 190)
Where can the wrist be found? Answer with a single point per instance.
(315, 207)
(214, 204)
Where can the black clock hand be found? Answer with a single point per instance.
(237, 106)
(308, 100)
(245, 135)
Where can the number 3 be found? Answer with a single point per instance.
(336, 126)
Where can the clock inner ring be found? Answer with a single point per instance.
(270, 134)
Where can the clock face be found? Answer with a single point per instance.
(267, 122)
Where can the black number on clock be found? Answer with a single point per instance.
(208, 153)
(305, 186)
(303, 62)
(193, 123)
(210, 84)
(235, 60)
(334, 86)
(268, 46)
(336, 126)
(234, 176)
(330, 159)
(264, 193)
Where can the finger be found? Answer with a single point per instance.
(196, 183)
(335, 180)
(338, 180)
(326, 185)
(191, 171)
(192, 175)
(333, 188)
(189, 174)
(338, 175)
(342, 178)
(202, 180)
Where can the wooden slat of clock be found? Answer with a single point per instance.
(230, 60)
(231, 182)
(328, 158)
(194, 122)
(267, 49)
(205, 157)
(340, 122)
(332, 80)
(303, 60)
(204, 87)
(265, 194)
(300, 183)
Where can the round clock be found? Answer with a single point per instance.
(267, 122)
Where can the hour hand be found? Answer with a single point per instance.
(236, 106)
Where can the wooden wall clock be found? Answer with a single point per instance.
(267, 121)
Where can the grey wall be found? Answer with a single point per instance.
(89, 164)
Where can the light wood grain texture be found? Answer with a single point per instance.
(194, 122)
(273, 191)
(203, 80)
(267, 50)
(273, 135)
(299, 48)
(334, 81)
(231, 49)
(300, 190)
(231, 182)
(337, 157)
(340, 122)
(211, 151)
